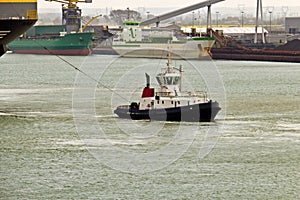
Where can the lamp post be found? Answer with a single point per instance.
(199, 18)
(193, 19)
(284, 11)
(242, 18)
(128, 14)
(217, 14)
(270, 10)
(241, 7)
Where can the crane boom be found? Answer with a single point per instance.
(89, 22)
(180, 11)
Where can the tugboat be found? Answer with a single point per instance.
(168, 103)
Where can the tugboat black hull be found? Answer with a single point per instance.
(204, 112)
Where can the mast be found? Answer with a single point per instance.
(169, 65)
(180, 83)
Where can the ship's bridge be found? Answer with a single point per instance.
(168, 79)
(170, 83)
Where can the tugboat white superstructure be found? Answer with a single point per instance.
(168, 103)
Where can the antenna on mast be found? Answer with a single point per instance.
(169, 56)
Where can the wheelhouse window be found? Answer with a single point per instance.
(168, 80)
(176, 80)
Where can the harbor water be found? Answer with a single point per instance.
(59, 138)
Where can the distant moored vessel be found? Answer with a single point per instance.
(66, 39)
(53, 40)
(135, 41)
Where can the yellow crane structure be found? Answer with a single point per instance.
(71, 14)
(72, 4)
(89, 22)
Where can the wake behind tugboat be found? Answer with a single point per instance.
(168, 103)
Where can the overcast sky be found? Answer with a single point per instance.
(123, 4)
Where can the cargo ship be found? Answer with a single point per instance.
(230, 50)
(66, 39)
(134, 41)
(16, 17)
(53, 39)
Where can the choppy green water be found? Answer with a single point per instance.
(45, 156)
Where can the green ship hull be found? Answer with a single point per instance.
(69, 44)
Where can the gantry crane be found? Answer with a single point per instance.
(71, 14)
(180, 11)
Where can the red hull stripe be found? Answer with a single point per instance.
(81, 52)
